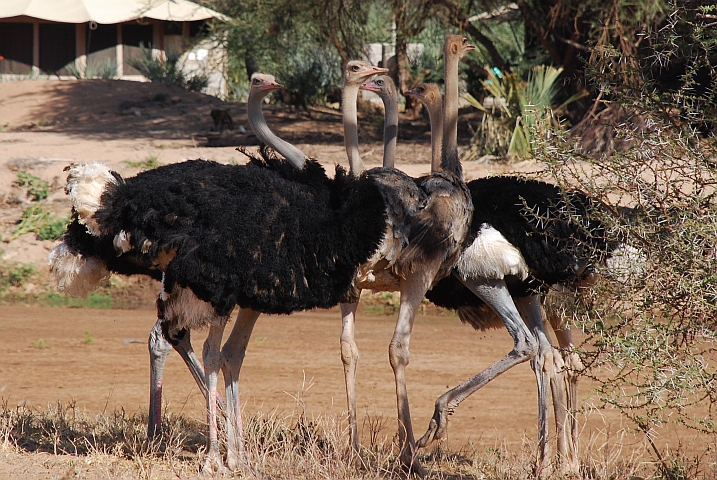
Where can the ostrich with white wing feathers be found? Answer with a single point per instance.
(532, 242)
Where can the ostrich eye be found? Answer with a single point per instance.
(355, 68)
(421, 90)
(380, 83)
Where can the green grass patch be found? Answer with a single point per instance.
(88, 339)
(37, 188)
(15, 275)
(40, 343)
(147, 164)
(47, 225)
(93, 300)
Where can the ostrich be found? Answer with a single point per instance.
(448, 198)
(161, 341)
(285, 240)
(535, 256)
(426, 224)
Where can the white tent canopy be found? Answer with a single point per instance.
(107, 11)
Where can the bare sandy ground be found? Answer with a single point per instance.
(289, 357)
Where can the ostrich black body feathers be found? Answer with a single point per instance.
(265, 236)
(555, 231)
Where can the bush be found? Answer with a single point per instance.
(46, 225)
(651, 334)
(520, 109)
(106, 70)
(167, 70)
(36, 188)
(311, 75)
(14, 275)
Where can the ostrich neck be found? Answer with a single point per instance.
(350, 117)
(261, 130)
(449, 160)
(390, 129)
(435, 116)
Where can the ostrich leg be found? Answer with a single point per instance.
(413, 288)
(549, 371)
(233, 353)
(350, 358)
(212, 363)
(159, 348)
(568, 435)
(525, 346)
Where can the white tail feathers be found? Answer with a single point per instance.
(85, 185)
(491, 255)
(626, 264)
(73, 274)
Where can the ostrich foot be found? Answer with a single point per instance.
(413, 468)
(213, 464)
(437, 426)
(244, 470)
(236, 462)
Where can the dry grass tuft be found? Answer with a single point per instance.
(69, 443)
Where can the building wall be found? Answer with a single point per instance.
(32, 48)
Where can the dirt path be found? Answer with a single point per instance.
(99, 359)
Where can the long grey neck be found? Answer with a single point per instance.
(390, 128)
(435, 116)
(449, 157)
(261, 130)
(350, 117)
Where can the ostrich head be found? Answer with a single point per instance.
(382, 85)
(457, 45)
(264, 83)
(358, 71)
(427, 93)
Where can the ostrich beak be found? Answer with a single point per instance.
(370, 86)
(271, 86)
(372, 71)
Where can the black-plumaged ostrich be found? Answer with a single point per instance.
(265, 236)
(269, 238)
(527, 236)
(448, 198)
(162, 341)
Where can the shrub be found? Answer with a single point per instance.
(36, 187)
(310, 75)
(47, 225)
(519, 110)
(106, 70)
(147, 164)
(167, 70)
(15, 275)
